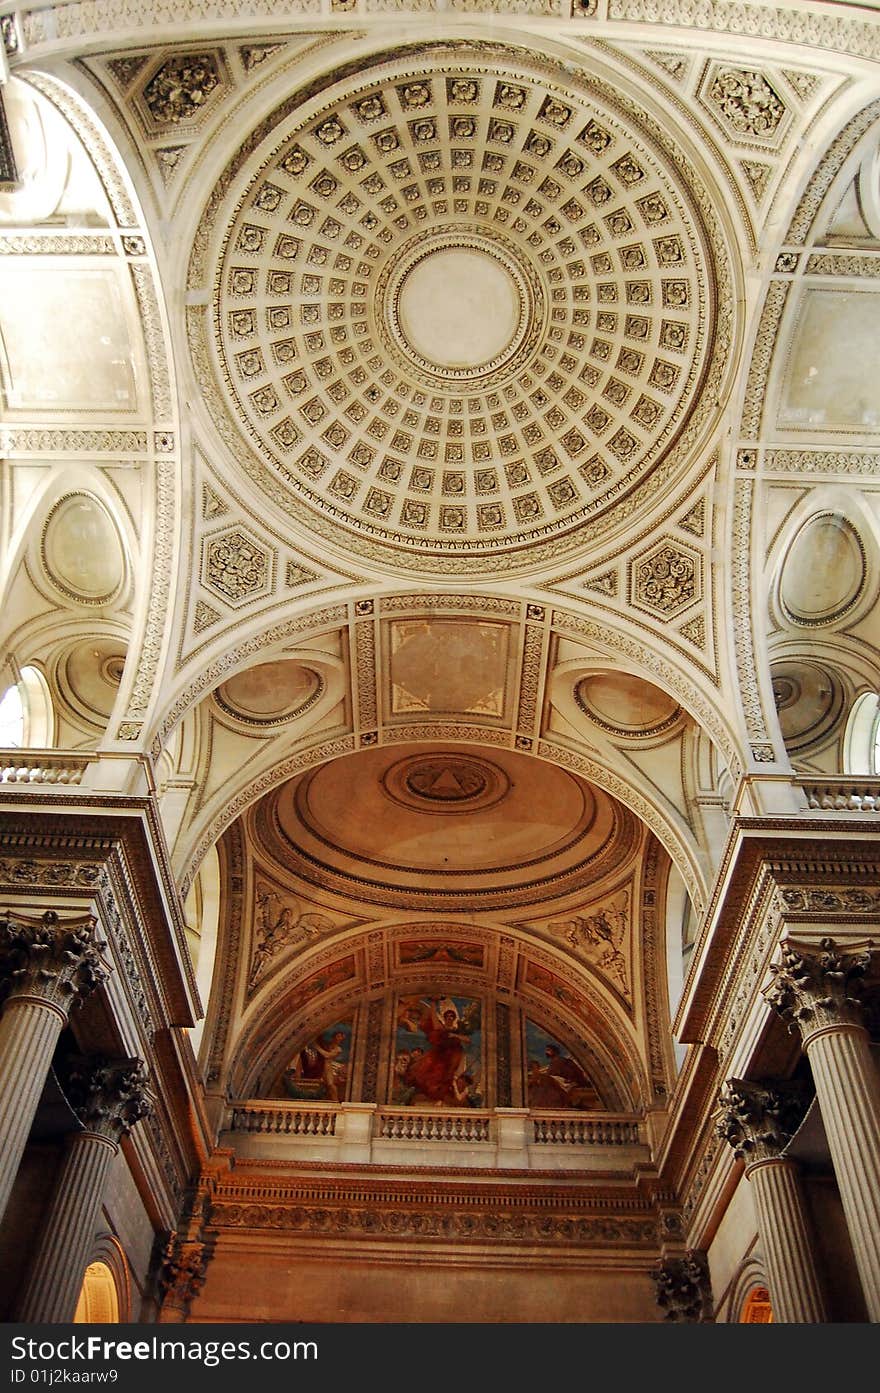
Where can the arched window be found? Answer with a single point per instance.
(26, 714)
(98, 1301)
(861, 748)
(12, 719)
(756, 1308)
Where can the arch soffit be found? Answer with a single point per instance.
(607, 644)
(226, 808)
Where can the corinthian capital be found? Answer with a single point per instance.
(58, 961)
(683, 1287)
(182, 1274)
(108, 1095)
(816, 986)
(758, 1119)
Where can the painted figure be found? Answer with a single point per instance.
(320, 1069)
(440, 1072)
(555, 1081)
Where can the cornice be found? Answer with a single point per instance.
(60, 844)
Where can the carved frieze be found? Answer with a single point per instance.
(236, 566)
(666, 580)
(180, 90)
(746, 102)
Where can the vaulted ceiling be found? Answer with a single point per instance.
(431, 458)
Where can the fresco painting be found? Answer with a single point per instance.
(448, 951)
(437, 1052)
(319, 1071)
(554, 1080)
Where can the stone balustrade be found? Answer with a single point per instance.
(506, 1137)
(472, 1126)
(569, 1129)
(285, 1121)
(42, 767)
(844, 795)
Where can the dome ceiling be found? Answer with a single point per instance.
(459, 308)
(444, 826)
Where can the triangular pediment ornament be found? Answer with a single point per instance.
(125, 70)
(297, 574)
(677, 65)
(695, 631)
(604, 584)
(694, 521)
(168, 158)
(212, 505)
(204, 617)
(757, 176)
(252, 55)
(805, 84)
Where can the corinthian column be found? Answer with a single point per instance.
(758, 1119)
(47, 965)
(814, 987)
(109, 1097)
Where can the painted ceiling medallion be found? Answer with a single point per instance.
(625, 705)
(824, 571)
(459, 309)
(446, 783)
(81, 550)
(270, 693)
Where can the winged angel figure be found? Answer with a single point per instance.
(597, 937)
(279, 927)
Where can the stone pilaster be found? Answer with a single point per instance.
(683, 1288)
(47, 965)
(816, 988)
(758, 1120)
(109, 1097)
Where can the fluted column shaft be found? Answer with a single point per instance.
(817, 987)
(786, 1237)
(47, 965)
(62, 1255)
(848, 1091)
(29, 1031)
(758, 1118)
(109, 1097)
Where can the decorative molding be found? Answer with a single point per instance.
(832, 462)
(475, 1222)
(29, 441)
(741, 599)
(160, 576)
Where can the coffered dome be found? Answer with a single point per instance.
(463, 303)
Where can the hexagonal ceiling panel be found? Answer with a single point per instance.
(459, 308)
